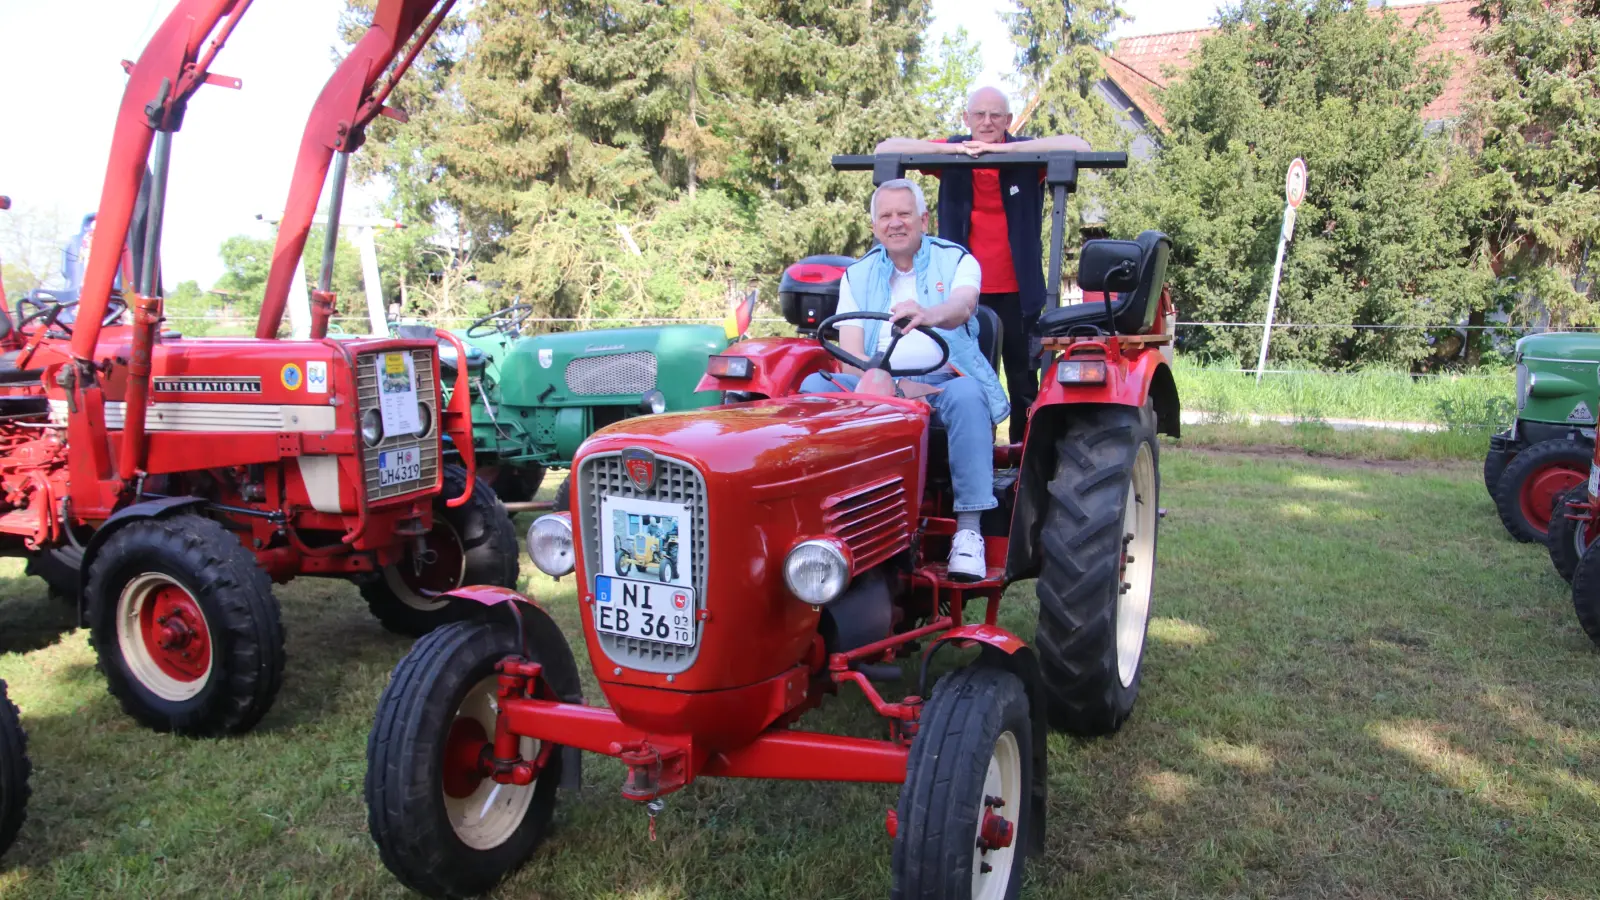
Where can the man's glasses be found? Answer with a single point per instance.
(988, 116)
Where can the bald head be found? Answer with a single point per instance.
(988, 114)
(988, 97)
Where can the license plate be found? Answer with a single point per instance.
(399, 466)
(644, 609)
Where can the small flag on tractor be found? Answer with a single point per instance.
(739, 315)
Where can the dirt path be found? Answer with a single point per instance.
(1296, 454)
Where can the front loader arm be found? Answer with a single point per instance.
(338, 123)
(168, 72)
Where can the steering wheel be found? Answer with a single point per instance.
(48, 307)
(506, 321)
(880, 360)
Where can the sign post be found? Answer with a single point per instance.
(1294, 191)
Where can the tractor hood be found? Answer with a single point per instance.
(1567, 346)
(611, 367)
(775, 445)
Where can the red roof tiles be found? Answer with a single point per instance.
(1149, 60)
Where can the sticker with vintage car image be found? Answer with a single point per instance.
(644, 589)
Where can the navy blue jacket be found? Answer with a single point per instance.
(1022, 195)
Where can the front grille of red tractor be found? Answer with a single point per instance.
(604, 474)
(367, 398)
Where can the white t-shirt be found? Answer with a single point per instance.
(916, 350)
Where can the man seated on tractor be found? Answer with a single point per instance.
(923, 280)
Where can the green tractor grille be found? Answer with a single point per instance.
(603, 475)
(618, 373)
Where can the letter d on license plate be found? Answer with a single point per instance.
(399, 466)
(647, 610)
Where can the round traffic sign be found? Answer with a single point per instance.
(1294, 186)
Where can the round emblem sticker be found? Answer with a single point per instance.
(291, 377)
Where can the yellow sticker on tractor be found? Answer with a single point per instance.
(394, 363)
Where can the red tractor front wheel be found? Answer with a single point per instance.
(442, 827)
(965, 814)
(474, 543)
(1530, 484)
(185, 625)
(1569, 539)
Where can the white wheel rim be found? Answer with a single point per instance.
(136, 595)
(1004, 780)
(488, 816)
(408, 596)
(1133, 601)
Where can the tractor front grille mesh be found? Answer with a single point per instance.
(618, 373)
(603, 475)
(428, 447)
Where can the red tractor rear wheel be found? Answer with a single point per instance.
(15, 768)
(965, 816)
(1530, 484)
(474, 543)
(1568, 539)
(442, 827)
(186, 626)
(1098, 570)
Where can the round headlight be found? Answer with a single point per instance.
(371, 427)
(816, 572)
(425, 418)
(550, 544)
(654, 402)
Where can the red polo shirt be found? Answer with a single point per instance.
(988, 238)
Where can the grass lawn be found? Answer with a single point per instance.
(1356, 686)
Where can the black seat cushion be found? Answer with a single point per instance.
(990, 335)
(1134, 312)
(10, 374)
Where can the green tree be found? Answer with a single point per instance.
(1381, 237)
(1059, 45)
(544, 132)
(948, 80)
(1535, 127)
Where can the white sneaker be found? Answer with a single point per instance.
(966, 557)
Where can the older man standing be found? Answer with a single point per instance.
(999, 216)
(922, 280)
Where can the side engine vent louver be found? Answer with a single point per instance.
(872, 521)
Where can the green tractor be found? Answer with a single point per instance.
(537, 398)
(1548, 448)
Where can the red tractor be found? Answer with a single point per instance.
(185, 476)
(812, 531)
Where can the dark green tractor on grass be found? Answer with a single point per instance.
(1548, 448)
(535, 399)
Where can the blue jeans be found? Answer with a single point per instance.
(962, 411)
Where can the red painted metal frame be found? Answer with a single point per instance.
(338, 123)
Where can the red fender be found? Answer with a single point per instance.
(543, 637)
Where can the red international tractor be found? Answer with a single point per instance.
(184, 476)
(812, 531)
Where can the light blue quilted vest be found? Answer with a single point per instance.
(935, 266)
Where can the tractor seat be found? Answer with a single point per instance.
(991, 335)
(476, 359)
(10, 374)
(1133, 312)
